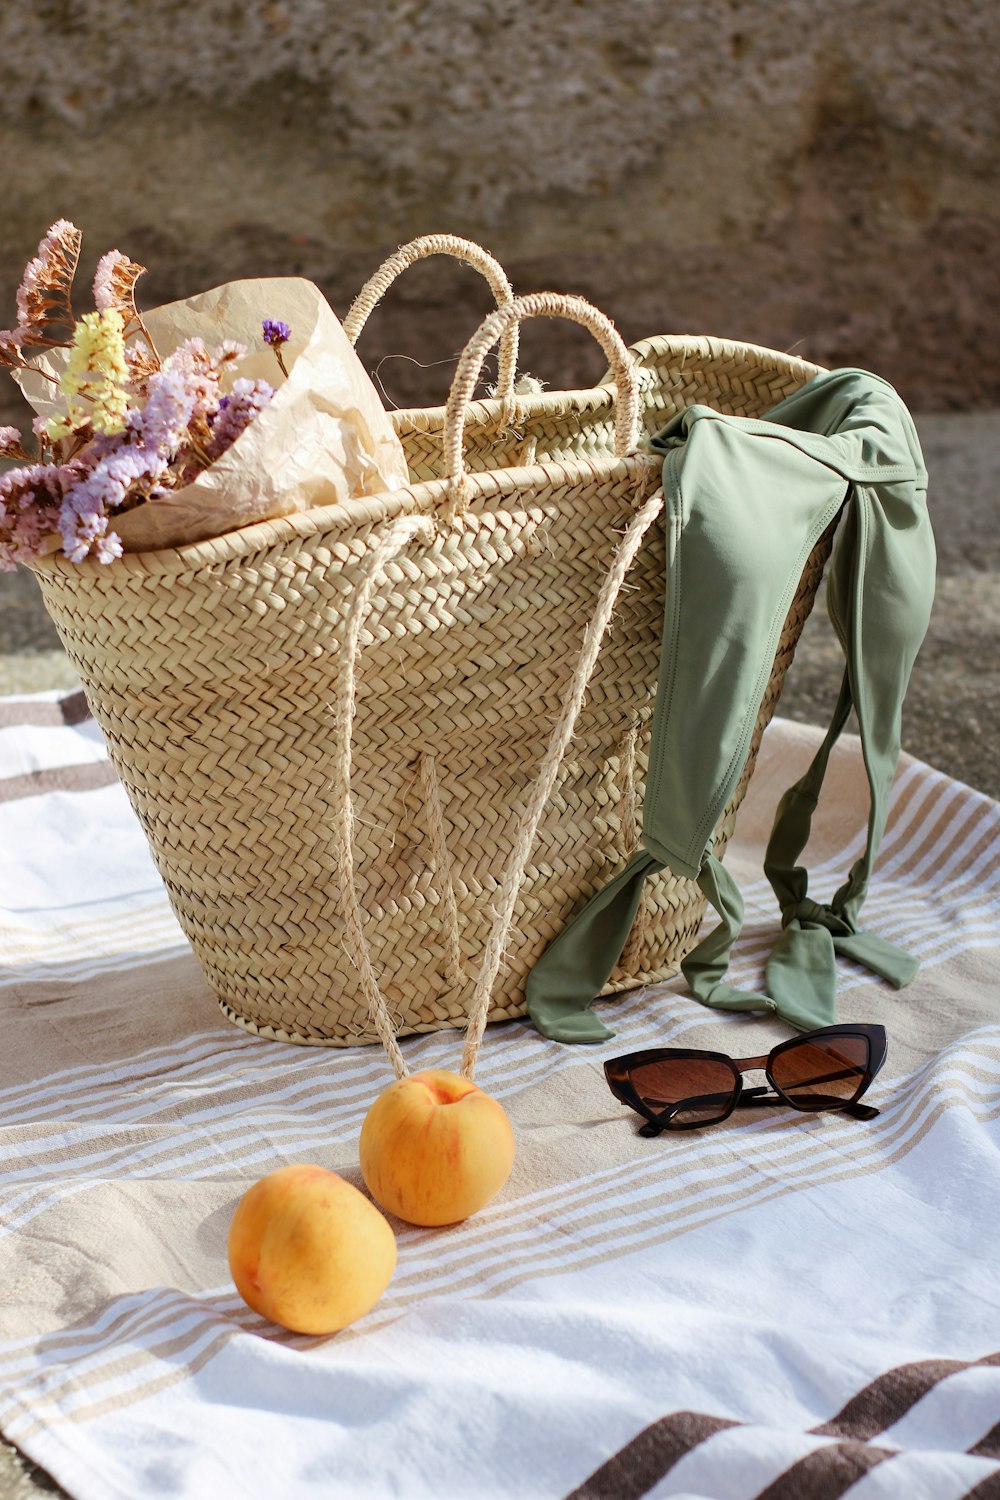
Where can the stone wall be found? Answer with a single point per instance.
(818, 177)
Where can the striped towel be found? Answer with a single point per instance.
(782, 1306)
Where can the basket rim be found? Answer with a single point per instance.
(645, 351)
(714, 346)
(430, 495)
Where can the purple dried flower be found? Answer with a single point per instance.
(276, 332)
(83, 515)
(236, 412)
(29, 505)
(162, 424)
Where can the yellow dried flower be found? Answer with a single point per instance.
(93, 382)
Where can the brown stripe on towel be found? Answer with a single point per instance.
(890, 1396)
(73, 709)
(986, 1489)
(826, 1473)
(634, 1469)
(80, 778)
(989, 1445)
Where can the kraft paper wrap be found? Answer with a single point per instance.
(323, 438)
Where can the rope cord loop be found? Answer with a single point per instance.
(569, 712)
(629, 960)
(470, 254)
(398, 536)
(492, 329)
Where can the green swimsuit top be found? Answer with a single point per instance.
(746, 500)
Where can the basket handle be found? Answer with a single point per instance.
(496, 326)
(466, 251)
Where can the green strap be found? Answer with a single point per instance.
(705, 966)
(801, 975)
(578, 963)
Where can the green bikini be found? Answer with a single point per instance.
(746, 500)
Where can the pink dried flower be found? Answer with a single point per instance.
(43, 298)
(40, 427)
(10, 347)
(30, 498)
(199, 373)
(114, 285)
(141, 363)
(92, 537)
(11, 445)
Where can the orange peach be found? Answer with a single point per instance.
(435, 1148)
(309, 1251)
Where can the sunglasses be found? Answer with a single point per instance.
(680, 1088)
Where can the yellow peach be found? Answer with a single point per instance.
(434, 1148)
(309, 1251)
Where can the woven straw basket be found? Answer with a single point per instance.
(382, 751)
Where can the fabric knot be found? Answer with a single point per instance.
(810, 913)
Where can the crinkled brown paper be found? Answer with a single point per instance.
(323, 438)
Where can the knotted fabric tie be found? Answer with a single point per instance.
(801, 974)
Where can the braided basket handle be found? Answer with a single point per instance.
(466, 251)
(496, 327)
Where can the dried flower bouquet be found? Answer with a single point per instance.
(133, 427)
(140, 415)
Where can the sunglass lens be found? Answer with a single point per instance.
(695, 1090)
(822, 1074)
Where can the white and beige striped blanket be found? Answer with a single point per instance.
(782, 1306)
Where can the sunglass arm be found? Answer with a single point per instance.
(751, 1098)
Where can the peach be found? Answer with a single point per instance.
(309, 1251)
(435, 1148)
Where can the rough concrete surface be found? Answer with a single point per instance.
(816, 177)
